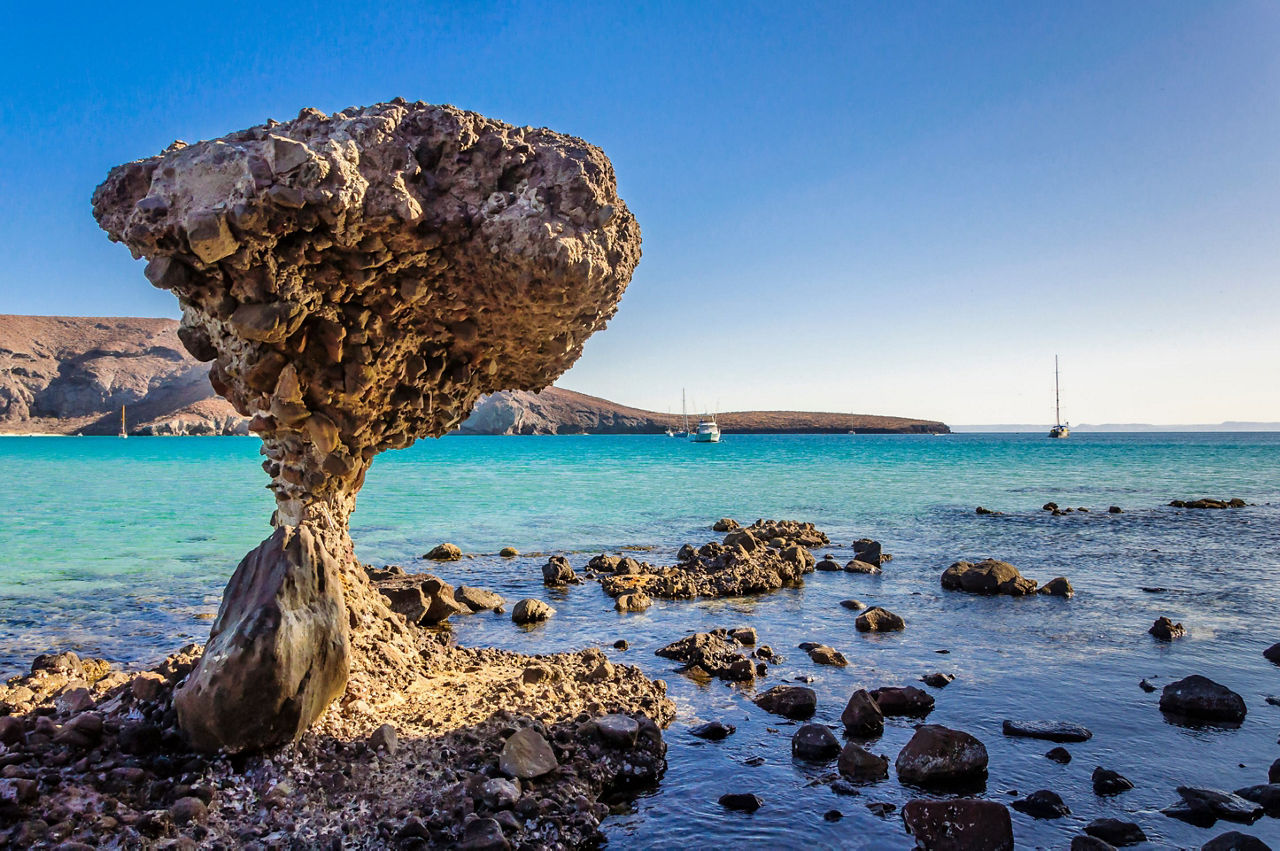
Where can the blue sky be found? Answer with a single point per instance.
(901, 208)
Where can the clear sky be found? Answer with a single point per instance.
(882, 207)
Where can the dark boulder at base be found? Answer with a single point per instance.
(877, 619)
(795, 702)
(1166, 630)
(1273, 773)
(1058, 587)
(959, 824)
(868, 551)
(713, 731)
(1202, 807)
(862, 716)
(824, 655)
(1115, 509)
(906, 701)
(558, 572)
(1201, 698)
(814, 742)
(741, 802)
(725, 524)
(1266, 795)
(1115, 831)
(857, 566)
(444, 552)
(1062, 756)
(860, 765)
(1234, 840)
(1108, 782)
(938, 757)
(1044, 804)
(530, 611)
(1052, 731)
(987, 577)
(938, 680)
(1272, 653)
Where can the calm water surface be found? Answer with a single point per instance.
(121, 548)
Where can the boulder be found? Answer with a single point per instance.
(1202, 807)
(477, 599)
(1272, 653)
(903, 701)
(862, 716)
(1234, 840)
(526, 755)
(278, 651)
(715, 653)
(713, 731)
(859, 566)
(617, 730)
(1265, 795)
(939, 757)
(1062, 756)
(1052, 731)
(1108, 782)
(529, 611)
(634, 602)
(800, 557)
(1273, 773)
(1115, 831)
(868, 551)
(827, 564)
(741, 802)
(423, 599)
(1090, 843)
(1200, 698)
(385, 739)
(1166, 630)
(1044, 804)
(795, 702)
(745, 635)
(725, 524)
(824, 655)
(853, 605)
(860, 765)
(1059, 587)
(814, 742)
(508, 552)
(877, 619)
(938, 680)
(557, 571)
(987, 577)
(444, 552)
(959, 824)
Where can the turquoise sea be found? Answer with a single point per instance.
(121, 548)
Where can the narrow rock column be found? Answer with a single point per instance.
(358, 281)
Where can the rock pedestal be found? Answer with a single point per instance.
(358, 281)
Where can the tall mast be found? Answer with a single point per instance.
(1057, 396)
(684, 410)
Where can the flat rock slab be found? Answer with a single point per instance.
(527, 755)
(1052, 731)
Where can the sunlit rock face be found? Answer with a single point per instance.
(358, 280)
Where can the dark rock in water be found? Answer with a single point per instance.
(981, 510)
(1234, 840)
(1273, 774)
(1050, 506)
(635, 602)
(713, 731)
(1115, 831)
(814, 742)
(859, 764)
(1166, 630)
(444, 552)
(795, 702)
(557, 572)
(1090, 843)
(827, 565)
(741, 802)
(938, 680)
(853, 605)
(1146, 686)
(877, 619)
(278, 651)
(881, 808)
(1044, 804)
(868, 551)
(987, 577)
(1203, 807)
(1108, 782)
(832, 815)
(1053, 731)
(508, 552)
(906, 700)
(526, 755)
(937, 757)
(529, 611)
(713, 652)
(745, 635)
(477, 599)
(1266, 795)
(859, 566)
(1059, 587)
(1115, 509)
(1201, 698)
(1154, 589)
(959, 824)
(1062, 756)
(862, 716)
(621, 644)
(1272, 653)
(725, 524)
(824, 655)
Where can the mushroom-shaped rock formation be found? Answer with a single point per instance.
(358, 281)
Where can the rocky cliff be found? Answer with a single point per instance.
(557, 411)
(68, 375)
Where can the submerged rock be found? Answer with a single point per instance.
(1044, 804)
(741, 802)
(959, 824)
(1059, 587)
(1272, 653)
(1108, 782)
(637, 602)
(877, 619)
(987, 577)
(938, 680)
(713, 731)
(1265, 795)
(1166, 630)
(1062, 756)
(853, 605)
(939, 757)
(859, 566)
(1053, 731)
(1200, 698)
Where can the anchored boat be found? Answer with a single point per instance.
(708, 431)
(1061, 430)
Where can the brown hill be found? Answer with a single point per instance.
(71, 374)
(557, 411)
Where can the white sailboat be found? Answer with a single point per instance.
(124, 432)
(1061, 430)
(684, 417)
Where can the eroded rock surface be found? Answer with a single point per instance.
(357, 281)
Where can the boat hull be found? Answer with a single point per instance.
(1059, 432)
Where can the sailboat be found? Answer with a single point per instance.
(684, 417)
(124, 432)
(1060, 430)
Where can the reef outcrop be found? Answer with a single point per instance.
(358, 281)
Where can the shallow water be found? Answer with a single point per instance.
(121, 549)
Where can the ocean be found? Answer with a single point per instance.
(121, 548)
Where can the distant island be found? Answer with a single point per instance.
(71, 375)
